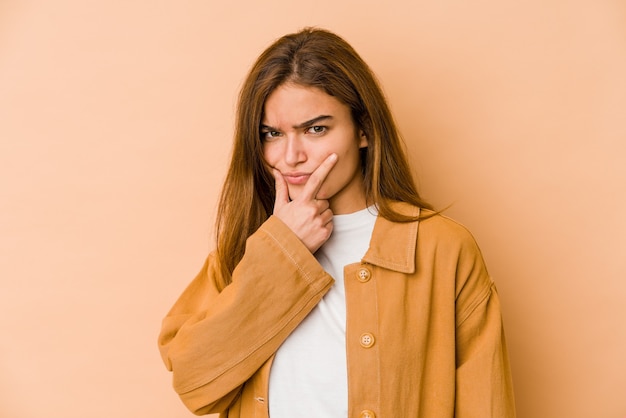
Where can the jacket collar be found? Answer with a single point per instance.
(393, 244)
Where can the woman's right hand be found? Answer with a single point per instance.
(308, 217)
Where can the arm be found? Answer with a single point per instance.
(213, 342)
(484, 386)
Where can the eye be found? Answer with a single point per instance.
(317, 130)
(269, 135)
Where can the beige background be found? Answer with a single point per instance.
(115, 129)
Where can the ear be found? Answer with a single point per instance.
(362, 140)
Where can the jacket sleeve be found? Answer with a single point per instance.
(484, 385)
(213, 341)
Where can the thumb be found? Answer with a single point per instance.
(282, 191)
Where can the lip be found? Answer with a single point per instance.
(296, 178)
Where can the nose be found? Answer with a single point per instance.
(294, 152)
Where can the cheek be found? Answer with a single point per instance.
(269, 155)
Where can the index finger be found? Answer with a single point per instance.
(318, 176)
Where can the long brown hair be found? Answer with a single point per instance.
(321, 59)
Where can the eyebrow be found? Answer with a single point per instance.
(306, 124)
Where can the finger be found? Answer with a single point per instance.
(327, 217)
(322, 205)
(318, 176)
(282, 191)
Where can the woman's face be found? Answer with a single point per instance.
(302, 126)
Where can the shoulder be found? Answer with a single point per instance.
(447, 242)
(445, 238)
(434, 225)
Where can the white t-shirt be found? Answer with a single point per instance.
(309, 373)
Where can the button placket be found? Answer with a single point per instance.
(362, 326)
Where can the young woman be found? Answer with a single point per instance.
(334, 291)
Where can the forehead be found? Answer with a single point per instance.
(293, 103)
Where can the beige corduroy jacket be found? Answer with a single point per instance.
(424, 334)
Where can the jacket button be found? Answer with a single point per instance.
(366, 340)
(363, 275)
(367, 414)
